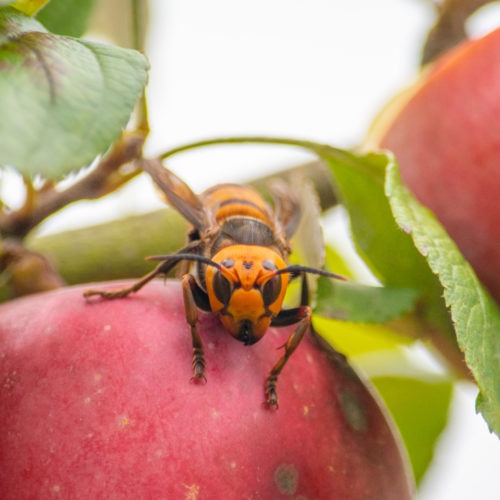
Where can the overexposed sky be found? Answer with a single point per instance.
(317, 70)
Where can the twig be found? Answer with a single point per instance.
(449, 29)
(105, 177)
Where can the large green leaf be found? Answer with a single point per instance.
(367, 304)
(387, 250)
(420, 409)
(66, 18)
(62, 101)
(360, 339)
(475, 315)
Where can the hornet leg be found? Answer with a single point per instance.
(189, 287)
(302, 315)
(162, 268)
(286, 317)
(123, 292)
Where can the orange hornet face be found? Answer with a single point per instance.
(246, 291)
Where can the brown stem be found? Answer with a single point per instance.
(117, 249)
(105, 177)
(449, 29)
(113, 250)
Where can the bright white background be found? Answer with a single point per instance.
(318, 70)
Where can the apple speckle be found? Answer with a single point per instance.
(353, 411)
(56, 489)
(123, 422)
(286, 478)
(193, 490)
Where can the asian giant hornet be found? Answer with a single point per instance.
(239, 247)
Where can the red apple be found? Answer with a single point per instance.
(96, 402)
(446, 138)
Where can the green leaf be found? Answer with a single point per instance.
(367, 304)
(66, 18)
(336, 262)
(358, 339)
(420, 409)
(387, 249)
(62, 101)
(28, 7)
(475, 315)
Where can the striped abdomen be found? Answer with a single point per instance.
(232, 200)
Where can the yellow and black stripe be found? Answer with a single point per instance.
(233, 200)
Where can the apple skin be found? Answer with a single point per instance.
(96, 402)
(446, 141)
